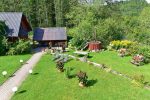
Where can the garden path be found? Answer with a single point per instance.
(19, 76)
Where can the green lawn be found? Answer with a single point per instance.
(47, 83)
(10, 64)
(111, 59)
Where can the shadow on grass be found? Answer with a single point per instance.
(80, 56)
(35, 73)
(71, 68)
(90, 56)
(91, 82)
(12, 75)
(22, 91)
(70, 59)
(72, 76)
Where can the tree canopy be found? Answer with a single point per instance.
(107, 19)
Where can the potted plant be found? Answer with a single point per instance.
(60, 66)
(82, 77)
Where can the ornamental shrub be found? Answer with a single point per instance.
(138, 60)
(60, 66)
(3, 40)
(82, 77)
(138, 80)
(20, 47)
(23, 47)
(67, 72)
(117, 44)
(145, 51)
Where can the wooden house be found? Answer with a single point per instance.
(52, 37)
(17, 25)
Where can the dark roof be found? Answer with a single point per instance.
(13, 22)
(49, 34)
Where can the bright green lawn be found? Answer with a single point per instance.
(10, 64)
(111, 59)
(48, 84)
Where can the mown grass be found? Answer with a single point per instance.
(47, 83)
(123, 65)
(10, 64)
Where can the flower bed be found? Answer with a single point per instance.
(138, 60)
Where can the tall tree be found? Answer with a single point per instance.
(2, 37)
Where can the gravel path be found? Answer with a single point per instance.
(18, 77)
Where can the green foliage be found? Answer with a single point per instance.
(108, 30)
(143, 35)
(41, 13)
(142, 50)
(23, 47)
(94, 23)
(56, 56)
(145, 51)
(3, 40)
(117, 44)
(20, 47)
(67, 72)
(3, 46)
(133, 50)
(82, 33)
(138, 80)
(132, 7)
(11, 51)
(105, 22)
(60, 57)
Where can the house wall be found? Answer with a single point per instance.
(56, 43)
(24, 28)
(12, 39)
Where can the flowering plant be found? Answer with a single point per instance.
(82, 76)
(60, 66)
(138, 60)
(122, 52)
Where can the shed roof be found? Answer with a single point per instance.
(50, 34)
(13, 22)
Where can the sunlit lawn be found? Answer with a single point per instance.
(111, 59)
(10, 64)
(47, 83)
